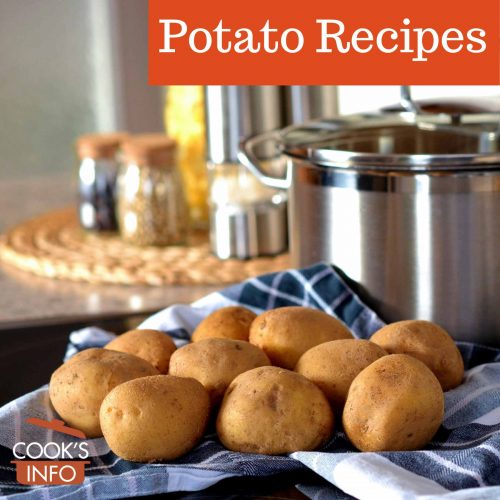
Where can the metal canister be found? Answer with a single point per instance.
(406, 205)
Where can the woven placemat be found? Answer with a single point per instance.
(54, 246)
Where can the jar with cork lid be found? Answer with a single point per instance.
(151, 205)
(97, 173)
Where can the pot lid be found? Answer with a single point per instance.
(399, 141)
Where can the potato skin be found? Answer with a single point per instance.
(152, 345)
(231, 322)
(78, 387)
(286, 333)
(154, 418)
(427, 342)
(216, 362)
(333, 366)
(273, 411)
(395, 404)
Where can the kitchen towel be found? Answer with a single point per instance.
(462, 461)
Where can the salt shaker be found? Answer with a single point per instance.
(151, 205)
(97, 174)
(247, 219)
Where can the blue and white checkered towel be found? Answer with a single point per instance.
(462, 461)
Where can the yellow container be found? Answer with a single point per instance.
(185, 122)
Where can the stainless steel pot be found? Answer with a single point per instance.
(406, 205)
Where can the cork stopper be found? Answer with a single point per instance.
(154, 150)
(99, 146)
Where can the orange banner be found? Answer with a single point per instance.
(323, 42)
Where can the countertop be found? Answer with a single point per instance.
(26, 299)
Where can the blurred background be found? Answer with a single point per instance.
(70, 66)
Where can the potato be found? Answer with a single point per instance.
(231, 322)
(152, 345)
(395, 404)
(427, 342)
(272, 411)
(332, 366)
(216, 362)
(154, 418)
(78, 387)
(286, 333)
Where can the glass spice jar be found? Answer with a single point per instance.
(97, 174)
(151, 205)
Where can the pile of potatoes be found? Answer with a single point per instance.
(274, 384)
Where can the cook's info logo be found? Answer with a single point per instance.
(69, 468)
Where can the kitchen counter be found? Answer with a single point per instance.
(27, 299)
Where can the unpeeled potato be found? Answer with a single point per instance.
(332, 366)
(154, 418)
(272, 411)
(78, 387)
(216, 362)
(427, 342)
(152, 345)
(395, 404)
(232, 322)
(286, 333)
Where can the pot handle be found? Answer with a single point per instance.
(406, 100)
(248, 158)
